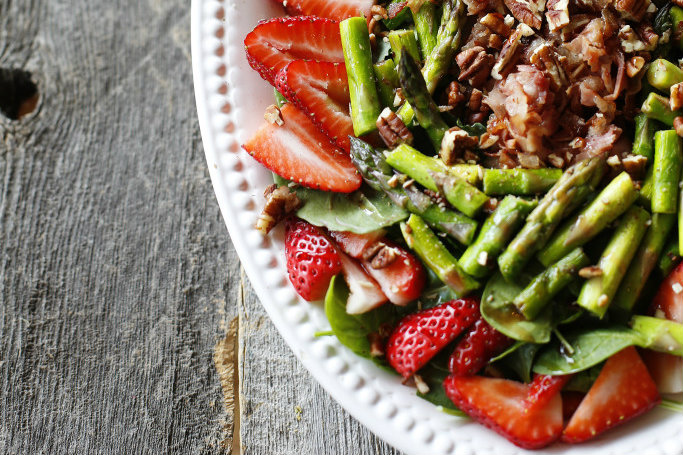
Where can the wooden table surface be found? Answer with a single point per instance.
(127, 325)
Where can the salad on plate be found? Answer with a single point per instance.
(485, 195)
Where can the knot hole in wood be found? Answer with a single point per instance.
(18, 93)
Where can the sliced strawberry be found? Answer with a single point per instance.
(479, 345)
(276, 42)
(544, 388)
(312, 260)
(321, 90)
(666, 370)
(500, 404)
(333, 9)
(570, 403)
(669, 298)
(623, 390)
(419, 336)
(298, 151)
(364, 292)
(400, 275)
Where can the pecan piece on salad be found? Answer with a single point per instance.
(557, 14)
(280, 202)
(510, 51)
(455, 143)
(527, 11)
(676, 96)
(392, 130)
(475, 65)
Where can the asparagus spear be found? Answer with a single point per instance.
(433, 175)
(427, 26)
(612, 201)
(597, 292)
(471, 173)
(662, 74)
(495, 234)
(434, 254)
(645, 196)
(643, 262)
(643, 143)
(404, 39)
(387, 81)
(666, 171)
(549, 283)
(669, 258)
(657, 107)
(520, 182)
(365, 105)
(416, 93)
(379, 175)
(574, 187)
(676, 15)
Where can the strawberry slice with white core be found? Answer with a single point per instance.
(364, 292)
(355, 244)
(623, 390)
(501, 405)
(298, 151)
(333, 9)
(321, 90)
(276, 42)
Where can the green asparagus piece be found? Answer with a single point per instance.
(657, 107)
(659, 334)
(387, 82)
(676, 14)
(666, 171)
(434, 254)
(365, 105)
(545, 286)
(471, 173)
(670, 257)
(415, 91)
(497, 230)
(404, 39)
(575, 186)
(645, 196)
(433, 175)
(643, 143)
(427, 26)
(520, 182)
(643, 262)
(662, 74)
(379, 175)
(612, 201)
(280, 100)
(597, 292)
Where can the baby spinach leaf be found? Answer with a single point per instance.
(362, 211)
(499, 311)
(590, 348)
(582, 381)
(521, 360)
(434, 376)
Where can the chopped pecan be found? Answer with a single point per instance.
(556, 161)
(633, 10)
(496, 23)
(678, 125)
(648, 36)
(384, 257)
(280, 202)
(273, 115)
(392, 130)
(634, 65)
(510, 50)
(379, 11)
(529, 160)
(475, 65)
(376, 344)
(676, 96)
(456, 94)
(527, 11)
(635, 165)
(545, 58)
(557, 14)
(454, 144)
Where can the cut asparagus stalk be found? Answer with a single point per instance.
(657, 107)
(659, 334)
(497, 230)
(611, 203)
(643, 262)
(404, 39)
(520, 182)
(643, 143)
(433, 175)
(645, 196)
(669, 258)
(597, 293)
(662, 74)
(427, 26)
(666, 172)
(387, 82)
(545, 286)
(365, 104)
(574, 187)
(434, 254)
(471, 173)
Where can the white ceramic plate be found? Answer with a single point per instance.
(230, 101)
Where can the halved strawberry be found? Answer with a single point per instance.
(298, 151)
(481, 343)
(312, 259)
(544, 387)
(321, 90)
(419, 336)
(276, 42)
(400, 275)
(623, 390)
(364, 292)
(333, 9)
(501, 405)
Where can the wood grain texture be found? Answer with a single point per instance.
(117, 276)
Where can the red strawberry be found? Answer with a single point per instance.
(298, 151)
(570, 403)
(669, 298)
(419, 336)
(481, 343)
(364, 292)
(312, 260)
(321, 90)
(333, 9)
(400, 275)
(276, 42)
(500, 404)
(544, 388)
(623, 390)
